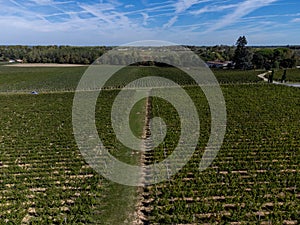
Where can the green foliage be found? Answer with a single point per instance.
(53, 54)
(47, 79)
(218, 52)
(262, 58)
(255, 175)
(293, 75)
(287, 63)
(242, 54)
(274, 58)
(236, 76)
(43, 176)
(45, 180)
(40, 79)
(258, 60)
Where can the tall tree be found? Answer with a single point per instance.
(242, 55)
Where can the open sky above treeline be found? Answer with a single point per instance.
(116, 22)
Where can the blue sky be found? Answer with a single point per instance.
(116, 22)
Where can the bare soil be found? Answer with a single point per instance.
(43, 65)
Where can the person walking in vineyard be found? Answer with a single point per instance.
(270, 77)
(283, 78)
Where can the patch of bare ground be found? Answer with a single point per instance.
(139, 216)
(44, 65)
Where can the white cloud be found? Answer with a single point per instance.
(170, 22)
(296, 20)
(156, 9)
(109, 23)
(145, 18)
(129, 6)
(242, 10)
(180, 7)
(43, 2)
(213, 8)
(183, 5)
(107, 13)
(16, 3)
(162, 3)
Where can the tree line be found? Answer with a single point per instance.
(263, 58)
(242, 56)
(52, 54)
(256, 57)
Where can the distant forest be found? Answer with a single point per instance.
(52, 54)
(258, 57)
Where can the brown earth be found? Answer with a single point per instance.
(44, 65)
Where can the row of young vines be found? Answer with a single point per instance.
(255, 177)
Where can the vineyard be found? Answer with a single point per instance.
(293, 75)
(255, 178)
(45, 180)
(45, 79)
(57, 79)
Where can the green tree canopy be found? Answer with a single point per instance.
(242, 55)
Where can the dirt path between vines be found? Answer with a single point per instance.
(43, 65)
(139, 215)
(262, 76)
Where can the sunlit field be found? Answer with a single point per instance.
(254, 179)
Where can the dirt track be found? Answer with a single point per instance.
(44, 65)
